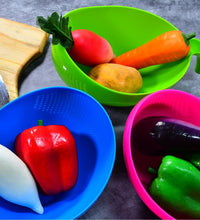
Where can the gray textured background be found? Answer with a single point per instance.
(119, 199)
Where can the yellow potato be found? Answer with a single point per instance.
(117, 77)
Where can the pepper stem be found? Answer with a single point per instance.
(152, 171)
(40, 122)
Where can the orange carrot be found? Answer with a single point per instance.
(167, 47)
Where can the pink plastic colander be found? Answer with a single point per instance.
(165, 103)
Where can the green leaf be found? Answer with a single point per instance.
(65, 25)
(54, 17)
(44, 25)
(55, 40)
(58, 26)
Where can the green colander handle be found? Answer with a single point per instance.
(195, 50)
(197, 66)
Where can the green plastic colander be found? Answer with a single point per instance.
(125, 28)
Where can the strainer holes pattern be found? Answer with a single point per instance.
(51, 103)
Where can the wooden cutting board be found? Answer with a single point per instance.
(20, 44)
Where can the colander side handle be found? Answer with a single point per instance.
(197, 66)
(195, 50)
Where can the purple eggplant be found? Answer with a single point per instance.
(159, 136)
(176, 133)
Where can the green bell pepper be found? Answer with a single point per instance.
(177, 188)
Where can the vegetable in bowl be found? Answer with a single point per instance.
(84, 46)
(118, 77)
(176, 187)
(166, 135)
(165, 48)
(51, 155)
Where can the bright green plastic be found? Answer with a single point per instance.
(125, 28)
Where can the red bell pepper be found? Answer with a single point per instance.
(51, 155)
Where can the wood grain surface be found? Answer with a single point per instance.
(20, 44)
